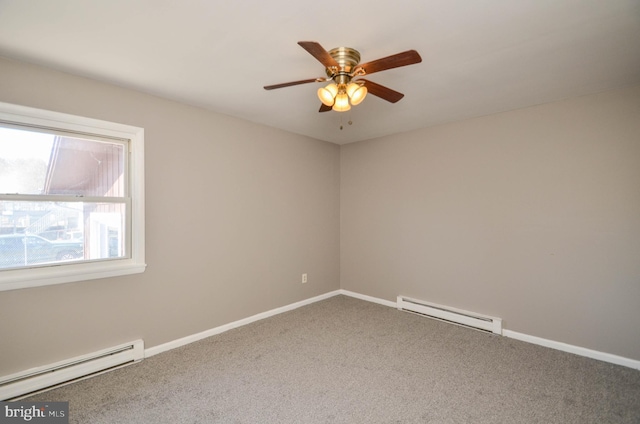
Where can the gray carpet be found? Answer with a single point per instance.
(344, 360)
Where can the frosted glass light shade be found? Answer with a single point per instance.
(327, 94)
(356, 93)
(342, 103)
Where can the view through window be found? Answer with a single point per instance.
(63, 198)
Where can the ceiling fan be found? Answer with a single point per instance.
(344, 71)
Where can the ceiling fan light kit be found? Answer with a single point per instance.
(342, 68)
(336, 95)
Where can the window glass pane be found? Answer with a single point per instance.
(37, 163)
(24, 159)
(37, 233)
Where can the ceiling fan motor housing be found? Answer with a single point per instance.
(347, 59)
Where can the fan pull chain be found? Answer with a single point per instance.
(350, 122)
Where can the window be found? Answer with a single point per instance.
(71, 198)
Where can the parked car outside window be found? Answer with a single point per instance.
(29, 249)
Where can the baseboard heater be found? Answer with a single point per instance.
(454, 315)
(36, 379)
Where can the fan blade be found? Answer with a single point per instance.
(382, 91)
(317, 51)
(409, 57)
(289, 84)
(324, 108)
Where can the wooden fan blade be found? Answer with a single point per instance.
(289, 84)
(324, 108)
(409, 57)
(317, 51)
(382, 91)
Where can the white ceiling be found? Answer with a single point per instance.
(479, 56)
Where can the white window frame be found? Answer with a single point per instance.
(13, 279)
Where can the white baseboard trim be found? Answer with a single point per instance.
(577, 350)
(368, 298)
(226, 327)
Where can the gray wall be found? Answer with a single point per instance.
(235, 213)
(531, 215)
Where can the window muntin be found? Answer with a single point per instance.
(72, 191)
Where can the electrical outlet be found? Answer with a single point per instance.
(304, 278)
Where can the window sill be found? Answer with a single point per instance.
(37, 277)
